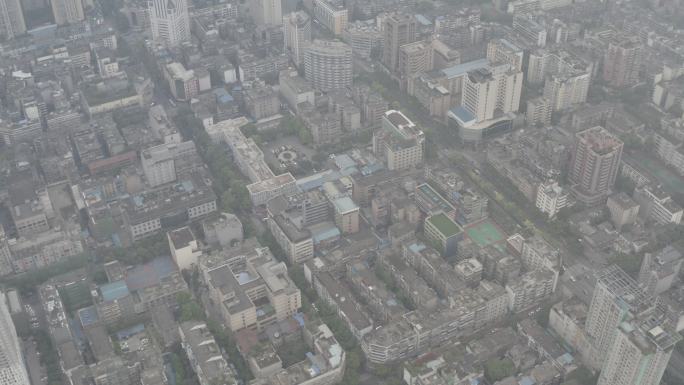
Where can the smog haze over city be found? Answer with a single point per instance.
(352, 192)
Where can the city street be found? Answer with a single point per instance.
(36, 372)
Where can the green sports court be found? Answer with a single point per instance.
(484, 233)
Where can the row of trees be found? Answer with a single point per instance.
(498, 369)
(330, 317)
(48, 356)
(523, 211)
(141, 251)
(27, 282)
(229, 184)
(346, 339)
(391, 284)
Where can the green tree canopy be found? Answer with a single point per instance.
(498, 369)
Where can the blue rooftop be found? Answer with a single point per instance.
(345, 204)
(509, 45)
(113, 291)
(371, 168)
(88, 316)
(527, 381)
(423, 20)
(344, 161)
(131, 331)
(566, 359)
(462, 115)
(325, 234)
(187, 186)
(222, 96)
(243, 277)
(463, 68)
(417, 247)
(316, 180)
(150, 273)
(299, 317)
(138, 200)
(116, 240)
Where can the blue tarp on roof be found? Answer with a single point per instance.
(88, 316)
(371, 168)
(316, 180)
(116, 240)
(325, 234)
(138, 200)
(344, 161)
(223, 96)
(345, 204)
(417, 247)
(566, 359)
(244, 277)
(131, 331)
(423, 20)
(150, 273)
(463, 115)
(299, 317)
(463, 68)
(113, 291)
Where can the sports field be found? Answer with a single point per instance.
(484, 233)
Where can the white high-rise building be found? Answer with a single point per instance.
(12, 21)
(492, 91)
(158, 165)
(267, 12)
(595, 164)
(12, 369)
(328, 65)
(639, 354)
(399, 142)
(490, 97)
(170, 21)
(297, 35)
(617, 298)
(503, 51)
(566, 77)
(332, 14)
(67, 11)
(551, 198)
(567, 90)
(538, 112)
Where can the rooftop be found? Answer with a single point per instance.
(462, 115)
(107, 91)
(463, 68)
(151, 273)
(444, 224)
(399, 125)
(623, 287)
(181, 238)
(345, 205)
(600, 140)
(293, 233)
(113, 291)
(623, 200)
(188, 191)
(206, 352)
